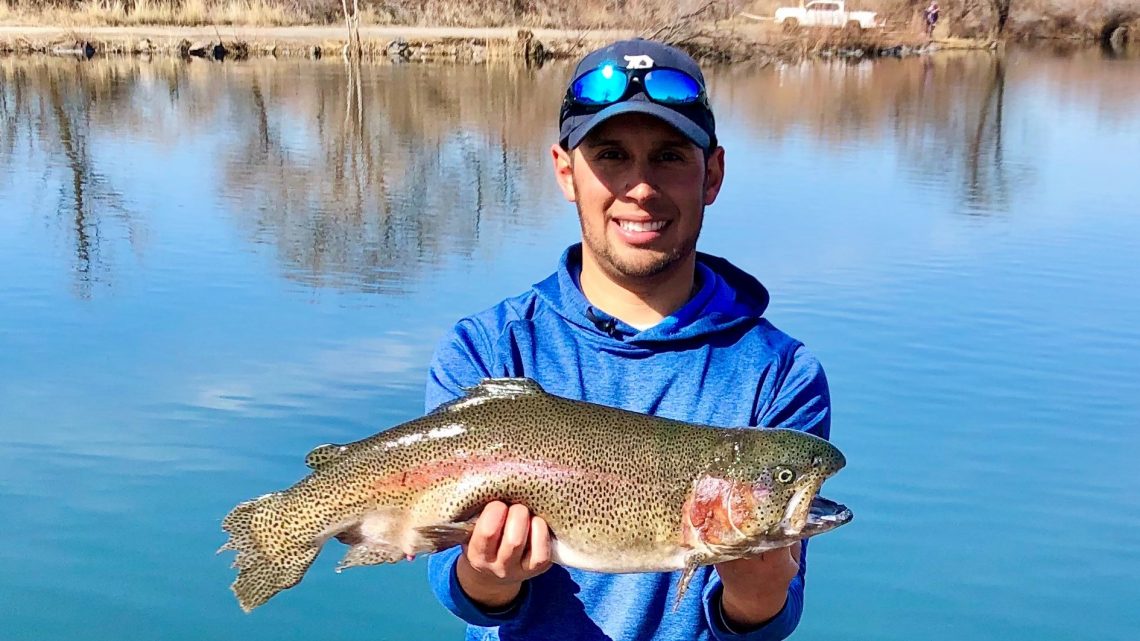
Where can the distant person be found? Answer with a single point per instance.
(633, 317)
(930, 16)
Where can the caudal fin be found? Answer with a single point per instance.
(268, 559)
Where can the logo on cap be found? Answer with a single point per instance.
(638, 62)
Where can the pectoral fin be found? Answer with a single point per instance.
(694, 561)
(446, 535)
(369, 554)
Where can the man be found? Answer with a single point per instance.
(634, 318)
(930, 17)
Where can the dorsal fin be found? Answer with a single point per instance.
(322, 454)
(505, 387)
(493, 388)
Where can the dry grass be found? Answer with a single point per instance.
(967, 18)
(116, 13)
(1071, 18)
(1038, 19)
(578, 14)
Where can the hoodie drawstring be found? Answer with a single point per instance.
(607, 325)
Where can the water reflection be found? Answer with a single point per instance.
(366, 178)
(943, 115)
(48, 113)
(334, 166)
(342, 185)
(972, 364)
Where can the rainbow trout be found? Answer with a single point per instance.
(621, 491)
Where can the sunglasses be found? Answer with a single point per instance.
(609, 84)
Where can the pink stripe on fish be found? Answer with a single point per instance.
(428, 474)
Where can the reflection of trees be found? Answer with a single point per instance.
(959, 134)
(86, 196)
(986, 183)
(366, 177)
(376, 174)
(49, 111)
(945, 113)
(359, 177)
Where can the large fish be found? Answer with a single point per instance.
(621, 491)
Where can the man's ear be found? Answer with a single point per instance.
(714, 175)
(564, 170)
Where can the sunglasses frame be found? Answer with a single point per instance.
(634, 83)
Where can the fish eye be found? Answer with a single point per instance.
(785, 475)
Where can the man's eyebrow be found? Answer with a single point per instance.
(601, 142)
(668, 143)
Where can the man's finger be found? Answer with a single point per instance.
(515, 533)
(792, 550)
(538, 552)
(789, 561)
(484, 545)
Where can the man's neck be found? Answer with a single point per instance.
(641, 302)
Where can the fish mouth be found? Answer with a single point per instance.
(795, 515)
(823, 515)
(809, 514)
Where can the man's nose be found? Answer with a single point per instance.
(641, 185)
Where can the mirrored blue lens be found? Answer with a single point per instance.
(671, 86)
(601, 86)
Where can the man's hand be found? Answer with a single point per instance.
(507, 547)
(756, 588)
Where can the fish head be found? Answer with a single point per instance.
(783, 471)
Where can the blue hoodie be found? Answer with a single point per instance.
(715, 361)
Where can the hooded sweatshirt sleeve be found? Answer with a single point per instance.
(461, 360)
(801, 401)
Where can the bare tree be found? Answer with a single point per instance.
(992, 14)
(352, 50)
(1001, 9)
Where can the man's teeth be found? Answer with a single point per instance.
(629, 225)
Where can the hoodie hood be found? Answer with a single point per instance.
(727, 297)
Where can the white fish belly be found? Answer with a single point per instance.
(666, 559)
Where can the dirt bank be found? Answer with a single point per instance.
(726, 42)
(409, 43)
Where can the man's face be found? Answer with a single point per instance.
(641, 188)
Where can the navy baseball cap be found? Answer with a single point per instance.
(693, 119)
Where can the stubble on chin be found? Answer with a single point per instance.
(646, 265)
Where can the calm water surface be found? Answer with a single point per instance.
(207, 269)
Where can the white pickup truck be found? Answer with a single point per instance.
(824, 13)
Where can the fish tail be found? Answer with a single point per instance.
(268, 558)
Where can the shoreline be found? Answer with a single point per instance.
(722, 42)
(410, 43)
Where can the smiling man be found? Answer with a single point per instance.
(634, 317)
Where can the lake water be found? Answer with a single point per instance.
(207, 269)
